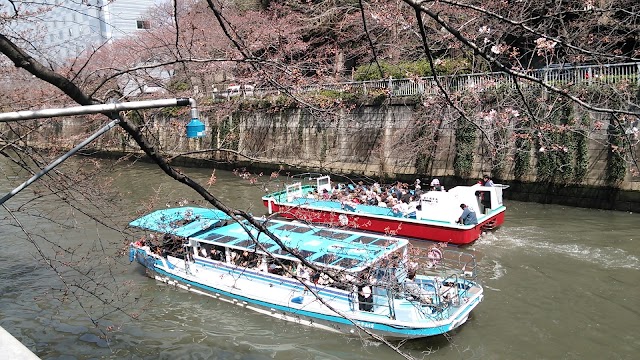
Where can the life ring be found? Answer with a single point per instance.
(344, 220)
(435, 255)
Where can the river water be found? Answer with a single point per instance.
(560, 283)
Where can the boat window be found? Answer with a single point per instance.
(332, 234)
(304, 253)
(326, 258)
(365, 239)
(280, 251)
(178, 223)
(212, 236)
(247, 243)
(266, 243)
(293, 228)
(226, 239)
(346, 263)
(212, 226)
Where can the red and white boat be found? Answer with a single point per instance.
(434, 219)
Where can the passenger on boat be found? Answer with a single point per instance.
(302, 272)
(326, 195)
(414, 291)
(262, 264)
(435, 185)
(203, 252)
(468, 216)
(216, 254)
(400, 208)
(314, 195)
(247, 259)
(486, 181)
(365, 300)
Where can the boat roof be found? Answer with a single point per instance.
(328, 247)
(183, 221)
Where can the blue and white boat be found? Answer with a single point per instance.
(352, 282)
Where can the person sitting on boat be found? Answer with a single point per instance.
(248, 259)
(400, 208)
(349, 204)
(435, 185)
(413, 290)
(325, 194)
(302, 272)
(365, 300)
(468, 216)
(203, 252)
(314, 195)
(262, 264)
(216, 254)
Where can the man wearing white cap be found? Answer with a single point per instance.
(435, 185)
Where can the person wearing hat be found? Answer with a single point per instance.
(435, 185)
(468, 216)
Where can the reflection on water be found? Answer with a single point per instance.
(560, 283)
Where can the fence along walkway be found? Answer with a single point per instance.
(556, 75)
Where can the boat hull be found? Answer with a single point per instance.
(350, 322)
(405, 227)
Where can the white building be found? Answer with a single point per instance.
(62, 29)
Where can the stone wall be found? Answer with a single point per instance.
(373, 141)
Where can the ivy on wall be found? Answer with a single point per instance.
(581, 141)
(465, 148)
(567, 145)
(616, 166)
(522, 156)
(556, 144)
(500, 155)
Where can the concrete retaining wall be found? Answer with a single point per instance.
(375, 141)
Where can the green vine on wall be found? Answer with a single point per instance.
(582, 151)
(500, 155)
(557, 145)
(522, 157)
(616, 166)
(566, 153)
(465, 146)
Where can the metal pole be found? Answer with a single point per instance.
(88, 109)
(57, 162)
(95, 109)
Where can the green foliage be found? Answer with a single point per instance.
(465, 148)
(178, 85)
(581, 140)
(556, 162)
(172, 111)
(546, 165)
(616, 166)
(409, 69)
(566, 156)
(522, 158)
(582, 155)
(498, 160)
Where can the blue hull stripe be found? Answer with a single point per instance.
(328, 318)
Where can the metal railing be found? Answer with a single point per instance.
(555, 75)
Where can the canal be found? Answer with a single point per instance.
(560, 283)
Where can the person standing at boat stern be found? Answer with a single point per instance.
(468, 216)
(486, 181)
